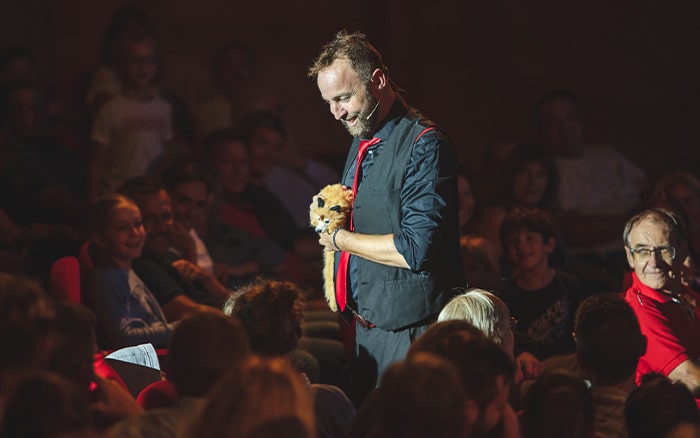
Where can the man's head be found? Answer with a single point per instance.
(138, 62)
(559, 123)
(189, 187)
(609, 341)
(354, 81)
(156, 212)
(486, 370)
(271, 312)
(202, 348)
(421, 397)
(527, 238)
(656, 246)
(265, 135)
(227, 157)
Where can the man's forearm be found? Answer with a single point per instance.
(378, 248)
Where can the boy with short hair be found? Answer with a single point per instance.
(541, 298)
(131, 131)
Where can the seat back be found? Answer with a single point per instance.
(64, 279)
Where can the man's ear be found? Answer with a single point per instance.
(378, 80)
(630, 257)
(549, 245)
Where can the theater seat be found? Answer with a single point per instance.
(159, 394)
(64, 279)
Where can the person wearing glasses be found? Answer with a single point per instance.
(656, 245)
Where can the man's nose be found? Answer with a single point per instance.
(337, 110)
(653, 258)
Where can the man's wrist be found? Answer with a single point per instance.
(333, 241)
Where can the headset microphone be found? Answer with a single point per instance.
(373, 110)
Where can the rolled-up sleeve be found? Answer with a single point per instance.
(428, 179)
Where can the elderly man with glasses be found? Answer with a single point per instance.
(657, 247)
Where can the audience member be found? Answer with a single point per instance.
(529, 180)
(255, 398)
(490, 314)
(480, 262)
(180, 286)
(598, 186)
(272, 313)
(542, 298)
(46, 405)
(420, 397)
(190, 188)
(133, 129)
(486, 371)
(203, 347)
(609, 343)
(658, 407)
(127, 312)
(558, 404)
(656, 245)
(236, 91)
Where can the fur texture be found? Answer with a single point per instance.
(330, 211)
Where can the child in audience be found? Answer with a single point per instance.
(127, 312)
(543, 299)
(132, 130)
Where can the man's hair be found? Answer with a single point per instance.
(354, 47)
(534, 220)
(26, 317)
(479, 360)
(101, 209)
(421, 397)
(216, 138)
(202, 348)
(484, 310)
(609, 341)
(558, 404)
(139, 186)
(261, 119)
(657, 406)
(271, 312)
(662, 216)
(184, 171)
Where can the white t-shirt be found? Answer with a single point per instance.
(134, 133)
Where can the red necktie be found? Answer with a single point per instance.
(341, 277)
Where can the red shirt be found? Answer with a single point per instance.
(671, 326)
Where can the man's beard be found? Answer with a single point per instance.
(367, 118)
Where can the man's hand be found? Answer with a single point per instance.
(190, 271)
(529, 364)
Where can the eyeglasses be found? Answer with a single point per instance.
(513, 322)
(667, 253)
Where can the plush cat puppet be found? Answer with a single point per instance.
(330, 212)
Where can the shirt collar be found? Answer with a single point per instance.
(398, 109)
(645, 290)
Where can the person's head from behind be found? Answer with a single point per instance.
(657, 406)
(353, 80)
(27, 317)
(116, 230)
(189, 186)
(265, 135)
(22, 107)
(202, 348)
(467, 200)
(227, 157)
(138, 63)
(420, 397)
(258, 394)
(609, 341)
(486, 370)
(479, 260)
(656, 246)
(156, 210)
(486, 312)
(530, 177)
(46, 405)
(74, 344)
(528, 238)
(558, 404)
(559, 123)
(271, 312)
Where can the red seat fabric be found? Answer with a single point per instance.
(64, 279)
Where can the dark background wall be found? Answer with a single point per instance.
(476, 67)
